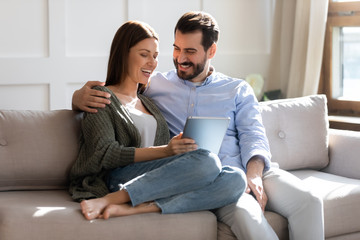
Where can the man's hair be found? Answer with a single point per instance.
(199, 21)
(127, 36)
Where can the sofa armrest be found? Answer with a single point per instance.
(344, 153)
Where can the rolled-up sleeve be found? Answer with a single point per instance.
(251, 132)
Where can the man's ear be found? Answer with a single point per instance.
(212, 51)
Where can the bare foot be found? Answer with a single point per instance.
(93, 208)
(118, 210)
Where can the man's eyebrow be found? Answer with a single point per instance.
(187, 49)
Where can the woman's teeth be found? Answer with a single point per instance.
(146, 71)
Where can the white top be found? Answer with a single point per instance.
(146, 124)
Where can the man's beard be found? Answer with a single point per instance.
(198, 68)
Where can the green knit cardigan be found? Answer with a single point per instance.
(108, 140)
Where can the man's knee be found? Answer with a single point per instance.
(245, 208)
(314, 201)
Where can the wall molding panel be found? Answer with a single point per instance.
(50, 48)
(25, 96)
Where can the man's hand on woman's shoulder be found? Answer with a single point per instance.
(87, 99)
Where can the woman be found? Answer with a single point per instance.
(126, 163)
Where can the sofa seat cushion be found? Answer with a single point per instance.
(44, 215)
(341, 197)
(351, 236)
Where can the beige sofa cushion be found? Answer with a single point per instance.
(344, 153)
(341, 197)
(297, 130)
(44, 215)
(37, 148)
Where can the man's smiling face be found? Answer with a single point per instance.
(189, 57)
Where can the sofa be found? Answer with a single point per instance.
(37, 149)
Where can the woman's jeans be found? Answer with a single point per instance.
(193, 181)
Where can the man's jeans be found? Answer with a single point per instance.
(193, 181)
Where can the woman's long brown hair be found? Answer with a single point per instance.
(127, 36)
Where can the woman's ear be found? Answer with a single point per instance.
(212, 51)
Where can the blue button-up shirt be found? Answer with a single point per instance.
(218, 96)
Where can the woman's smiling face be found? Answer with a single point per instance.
(143, 59)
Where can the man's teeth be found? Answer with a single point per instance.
(147, 71)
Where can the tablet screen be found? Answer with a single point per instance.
(208, 132)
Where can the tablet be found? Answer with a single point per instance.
(208, 132)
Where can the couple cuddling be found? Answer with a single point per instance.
(132, 158)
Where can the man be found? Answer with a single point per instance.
(194, 88)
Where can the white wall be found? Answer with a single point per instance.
(49, 48)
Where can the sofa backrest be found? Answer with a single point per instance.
(37, 148)
(297, 129)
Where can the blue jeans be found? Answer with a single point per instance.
(193, 181)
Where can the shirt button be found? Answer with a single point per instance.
(3, 142)
(281, 134)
